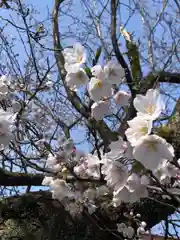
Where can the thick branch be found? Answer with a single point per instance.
(20, 179)
(167, 77)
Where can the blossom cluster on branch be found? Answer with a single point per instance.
(86, 181)
(82, 180)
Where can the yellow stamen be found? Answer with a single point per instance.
(98, 84)
(150, 109)
(152, 146)
(144, 130)
(64, 170)
(79, 59)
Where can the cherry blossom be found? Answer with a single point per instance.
(120, 149)
(116, 173)
(138, 127)
(151, 149)
(60, 189)
(121, 227)
(6, 124)
(128, 232)
(93, 166)
(74, 57)
(99, 110)
(111, 176)
(76, 79)
(4, 83)
(165, 171)
(99, 89)
(98, 72)
(114, 72)
(122, 98)
(133, 182)
(89, 165)
(149, 106)
(47, 180)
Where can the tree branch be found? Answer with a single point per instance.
(119, 56)
(167, 77)
(20, 179)
(106, 134)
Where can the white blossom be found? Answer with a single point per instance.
(165, 171)
(47, 180)
(151, 149)
(93, 166)
(54, 163)
(120, 148)
(121, 227)
(74, 57)
(89, 166)
(80, 169)
(76, 79)
(98, 86)
(51, 161)
(6, 123)
(98, 72)
(114, 72)
(99, 110)
(129, 232)
(49, 83)
(133, 182)
(4, 83)
(122, 98)
(143, 224)
(149, 106)
(116, 173)
(138, 127)
(140, 230)
(60, 189)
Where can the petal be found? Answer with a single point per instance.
(141, 103)
(122, 98)
(80, 52)
(149, 157)
(99, 110)
(114, 72)
(98, 72)
(99, 89)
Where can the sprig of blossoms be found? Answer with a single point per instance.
(101, 81)
(112, 176)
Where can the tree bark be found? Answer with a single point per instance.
(37, 216)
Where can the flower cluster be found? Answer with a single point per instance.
(149, 148)
(7, 118)
(100, 83)
(84, 180)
